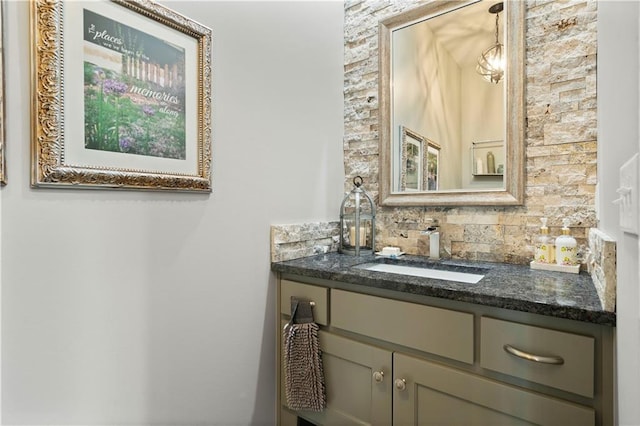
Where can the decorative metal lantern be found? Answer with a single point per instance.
(357, 222)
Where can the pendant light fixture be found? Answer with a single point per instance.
(491, 63)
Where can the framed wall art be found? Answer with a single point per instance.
(121, 96)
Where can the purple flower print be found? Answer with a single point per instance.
(125, 143)
(114, 86)
(148, 111)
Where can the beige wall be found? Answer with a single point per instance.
(148, 308)
(482, 110)
(412, 96)
(560, 135)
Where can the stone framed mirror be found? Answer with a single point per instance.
(429, 83)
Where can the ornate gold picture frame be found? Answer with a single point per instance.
(121, 97)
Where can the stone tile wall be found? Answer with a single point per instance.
(560, 139)
(301, 240)
(602, 267)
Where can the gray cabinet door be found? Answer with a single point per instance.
(357, 394)
(427, 393)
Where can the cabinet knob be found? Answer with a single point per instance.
(378, 376)
(401, 384)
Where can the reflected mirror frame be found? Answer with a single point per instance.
(513, 192)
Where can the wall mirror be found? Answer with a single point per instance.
(442, 112)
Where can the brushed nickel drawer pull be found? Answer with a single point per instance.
(556, 360)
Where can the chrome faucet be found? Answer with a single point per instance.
(434, 239)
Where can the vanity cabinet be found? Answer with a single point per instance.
(409, 362)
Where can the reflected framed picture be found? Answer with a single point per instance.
(432, 166)
(413, 158)
(122, 97)
(419, 162)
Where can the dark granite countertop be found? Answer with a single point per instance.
(515, 287)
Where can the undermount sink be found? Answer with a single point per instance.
(415, 271)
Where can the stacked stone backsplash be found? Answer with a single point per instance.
(601, 262)
(301, 240)
(561, 127)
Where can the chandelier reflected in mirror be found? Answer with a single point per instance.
(491, 63)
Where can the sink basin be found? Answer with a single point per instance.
(423, 272)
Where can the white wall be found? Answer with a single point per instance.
(482, 120)
(618, 78)
(143, 307)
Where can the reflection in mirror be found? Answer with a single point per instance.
(431, 83)
(419, 162)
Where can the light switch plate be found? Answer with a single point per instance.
(628, 193)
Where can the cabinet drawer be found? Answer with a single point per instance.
(304, 291)
(574, 374)
(438, 331)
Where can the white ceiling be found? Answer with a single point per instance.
(467, 31)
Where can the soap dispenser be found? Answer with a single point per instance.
(544, 249)
(566, 246)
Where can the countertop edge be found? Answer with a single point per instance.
(387, 282)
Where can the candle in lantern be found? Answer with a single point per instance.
(352, 236)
